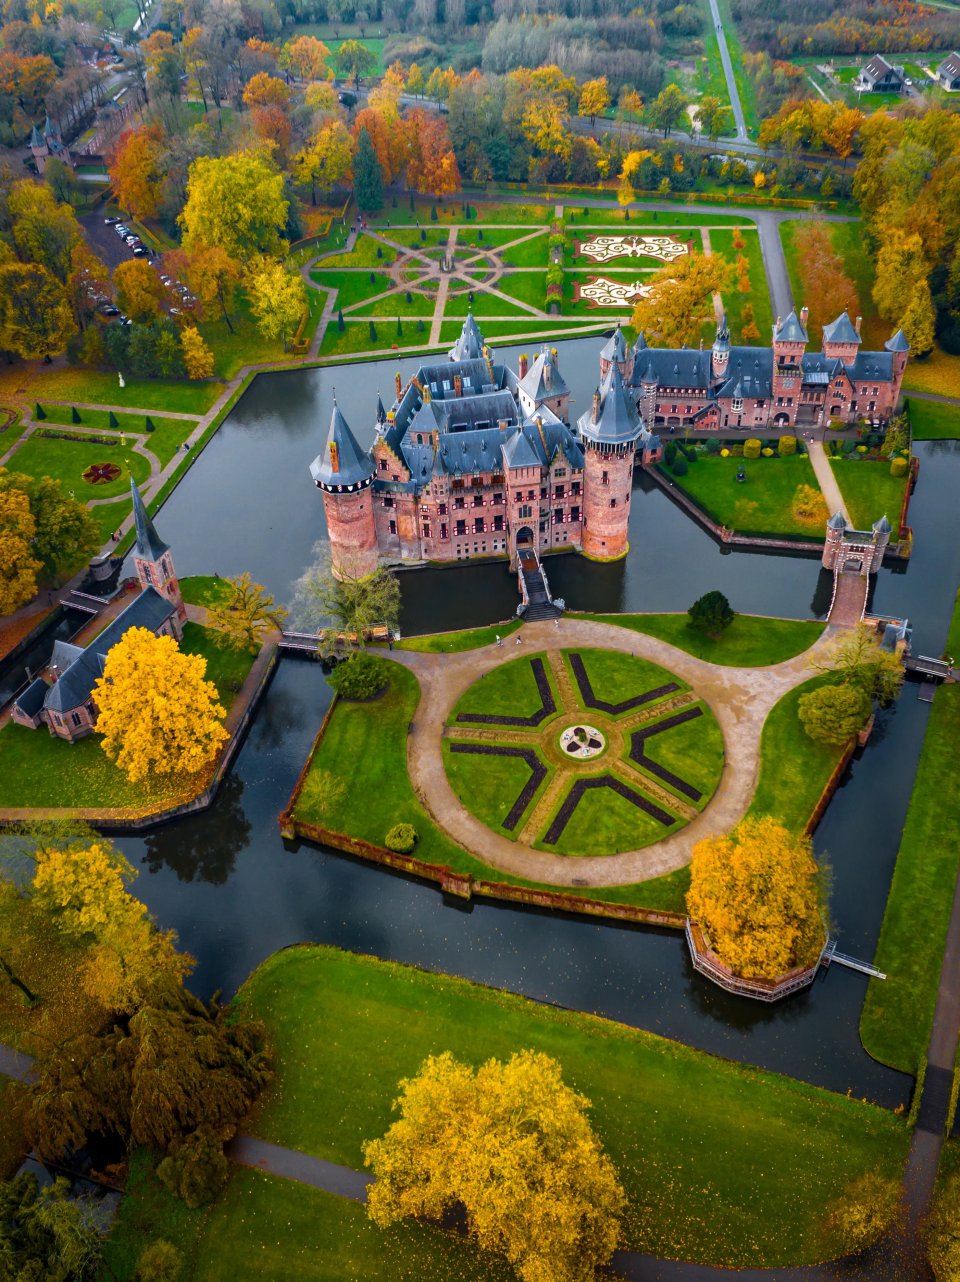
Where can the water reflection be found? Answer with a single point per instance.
(201, 849)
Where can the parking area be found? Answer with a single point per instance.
(112, 249)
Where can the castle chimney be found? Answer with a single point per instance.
(547, 375)
(556, 358)
(595, 418)
(524, 365)
(857, 323)
(457, 385)
(777, 326)
(399, 384)
(804, 313)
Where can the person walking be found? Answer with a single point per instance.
(499, 642)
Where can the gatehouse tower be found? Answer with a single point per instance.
(344, 474)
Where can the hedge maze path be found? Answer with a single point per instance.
(631, 722)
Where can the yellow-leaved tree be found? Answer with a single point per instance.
(278, 299)
(758, 895)
(84, 890)
(157, 714)
(682, 299)
(18, 565)
(197, 356)
(511, 1144)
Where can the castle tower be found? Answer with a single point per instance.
(470, 345)
(720, 353)
(609, 431)
(882, 530)
(344, 475)
(616, 352)
(151, 556)
(648, 394)
(39, 149)
(900, 349)
(834, 541)
(841, 339)
(789, 343)
(541, 384)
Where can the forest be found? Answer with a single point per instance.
(862, 26)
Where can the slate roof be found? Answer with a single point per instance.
(790, 330)
(615, 348)
(680, 367)
(877, 366)
(747, 378)
(63, 654)
(619, 422)
(518, 452)
(841, 331)
(342, 461)
(837, 521)
(879, 69)
(30, 703)
(898, 343)
(149, 610)
(641, 344)
(543, 379)
(882, 526)
(474, 377)
(722, 340)
(950, 67)
(149, 543)
(469, 346)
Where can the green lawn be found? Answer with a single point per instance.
(37, 769)
(604, 823)
(582, 220)
(794, 769)
(356, 337)
(529, 253)
(203, 589)
(761, 505)
(704, 1147)
(721, 242)
(363, 254)
(930, 421)
(67, 460)
(77, 383)
(488, 786)
(615, 676)
(453, 642)
(751, 641)
(897, 1014)
(100, 419)
(869, 490)
(485, 304)
(510, 690)
(694, 751)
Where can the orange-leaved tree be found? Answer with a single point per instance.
(432, 167)
(759, 896)
(157, 713)
(136, 170)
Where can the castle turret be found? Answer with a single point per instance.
(469, 346)
(151, 556)
(834, 540)
(720, 354)
(344, 474)
(789, 343)
(900, 349)
(609, 431)
(616, 352)
(841, 338)
(882, 530)
(542, 384)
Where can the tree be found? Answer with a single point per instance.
(44, 232)
(237, 204)
(415, 81)
(711, 614)
(865, 1210)
(247, 614)
(277, 299)
(682, 299)
(136, 170)
(47, 1233)
(856, 654)
(65, 532)
(35, 315)
(157, 714)
(711, 115)
(84, 889)
(139, 289)
(594, 98)
(18, 565)
(306, 57)
(161, 1261)
(823, 272)
(197, 356)
(512, 1146)
(367, 175)
(326, 160)
(942, 1231)
(346, 602)
(667, 110)
(834, 713)
(918, 320)
(901, 267)
(433, 166)
(264, 90)
(354, 59)
(88, 277)
(758, 895)
(211, 275)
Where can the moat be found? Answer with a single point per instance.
(235, 892)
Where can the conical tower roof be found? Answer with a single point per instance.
(841, 330)
(882, 526)
(619, 421)
(149, 544)
(898, 343)
(381, 412)
(342, 462)
(469, 346)
(837, 521)
(722, 339)
(790, 330)
(615, 348)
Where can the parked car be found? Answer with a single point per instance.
(140, 252)
(111, 222)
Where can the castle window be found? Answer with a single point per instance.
(443, 531)
(497, 500)
(478, 526)
(574, 514)
(426, 531)
(442, 509)
(526, 512)
(543, 491)
(737, 404)
(518, 495)
(461, 527)
(393, 527)
(605, 478)
(558, 515)
(478, 500)
(76, 718)
(613, 502)
(388, 500)
(575, 488)
(498, 522)
(558, 491)
(459, 504)
(560, 471)
(529, 496)
(383, 465)
(424, 511)
(395, 477)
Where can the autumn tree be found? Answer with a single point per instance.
(277, 298)
(139, 289)
(136, 170)
(667, 110)
(18, 565)
(88, 276)
(757, 893)
(325, 161)
(711, 614)
(236, 203)
(682, 299)
(865, 1210)
(511, 1145)
(84, 890)
(160, 1261)
(594, 98)
(65, 533)
(367, 175)
(48, 1232)
(342, 601)
(263, 90)
(834, 713)
(211, 275)
(433, 165)
(415, 83)
(157, 714)
(942, 1231)
(197, 356)
(246, 615)
(354, 59)
(306, 58)
(43, 231)
(823, 272)
(35, 314)
(859, 659)
(711, 115)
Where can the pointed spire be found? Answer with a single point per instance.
(723, 332)
(898, 343)
(342, 462)
(615, 420)
(469, 346)
(149, 544)
(381, 412)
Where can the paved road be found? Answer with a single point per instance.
(826, 480)
(742, 135)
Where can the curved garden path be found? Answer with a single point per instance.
(740, 699)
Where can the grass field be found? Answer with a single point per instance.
(761, 505)
(897, 1014)
(869, 490)
(453, 642)
(67, 460)
(704, 1147)
(77, 383)
(751, 641)
(509, 690)
(932, 422)
(721, 242)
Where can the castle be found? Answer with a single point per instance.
(474, 460)
(62, 698)
(48, 142)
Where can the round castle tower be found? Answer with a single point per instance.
(344, 475)
(609, 432)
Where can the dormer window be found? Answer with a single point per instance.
(737, 404)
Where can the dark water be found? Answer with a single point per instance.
(235, 893)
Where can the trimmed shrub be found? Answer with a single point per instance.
(767, 452)
(401, 838)
(360, 677)
(787, 446)
(373, 332)
(724, 453)
(713, 447)
(670, 453)
(752, 448)
(691, 453)
(679, 465)
(899, 467)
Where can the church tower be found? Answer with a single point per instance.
(151, 556)
(609, 431)
(344, 475)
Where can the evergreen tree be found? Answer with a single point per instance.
(367, 176)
